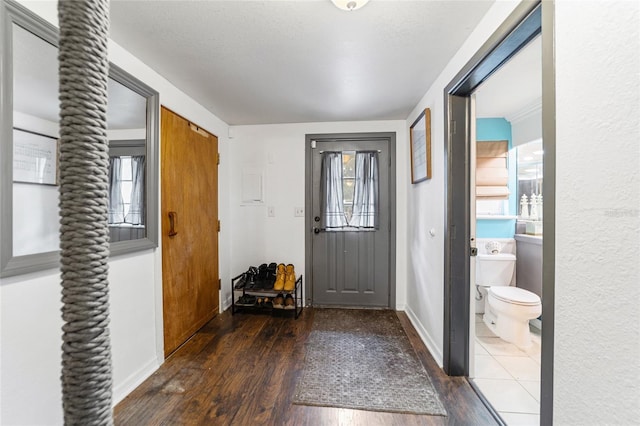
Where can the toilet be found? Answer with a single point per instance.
(507, 309)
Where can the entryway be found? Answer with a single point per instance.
(350, 239)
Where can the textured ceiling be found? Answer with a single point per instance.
(257, 62)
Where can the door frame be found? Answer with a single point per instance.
(528, 19)
(390, 137)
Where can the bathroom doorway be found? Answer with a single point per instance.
(505, 200)
(528, 21)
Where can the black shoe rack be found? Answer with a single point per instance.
(241, 293)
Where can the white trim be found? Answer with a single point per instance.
(226, 303)
(134, 380)
(534, 107)
(424, 335)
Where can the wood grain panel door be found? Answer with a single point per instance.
(189, 228)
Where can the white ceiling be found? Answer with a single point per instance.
(264, 70)
(276, 61)
(514, 89)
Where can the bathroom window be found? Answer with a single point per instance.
(492, 207)
(492, 178)
(492, 170)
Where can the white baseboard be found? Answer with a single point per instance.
(134, 380)
(226, 304)
(424, 335)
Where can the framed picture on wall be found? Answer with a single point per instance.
(35, 158)
(420, 140)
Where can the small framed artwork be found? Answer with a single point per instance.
(35, 158)
(420, 140)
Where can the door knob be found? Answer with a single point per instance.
(316, 230)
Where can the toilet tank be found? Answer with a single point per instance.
(495, 269)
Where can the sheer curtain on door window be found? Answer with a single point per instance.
(365, 198)
(116, 204)
(135, 215)
(331, 191)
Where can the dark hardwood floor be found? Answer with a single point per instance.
(242, 370)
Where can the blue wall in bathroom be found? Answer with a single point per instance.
(493, 129)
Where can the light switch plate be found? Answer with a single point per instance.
(298, 212)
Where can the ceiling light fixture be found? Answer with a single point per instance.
(349, 5)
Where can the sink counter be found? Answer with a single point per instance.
(531, 239)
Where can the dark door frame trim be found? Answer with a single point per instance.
(390, 137)
(528, 20)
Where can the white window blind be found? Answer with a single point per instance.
(492, 173)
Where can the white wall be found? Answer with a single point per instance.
(527, 129)
(597, 290)
(426, 200)
(279, 151)
(30, 319)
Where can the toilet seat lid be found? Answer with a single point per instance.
(515, 295)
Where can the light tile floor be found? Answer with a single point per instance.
(509, 376)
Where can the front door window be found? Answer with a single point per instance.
(350, 190)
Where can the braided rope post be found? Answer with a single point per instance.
(84, 233)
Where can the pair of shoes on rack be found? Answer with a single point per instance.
(241, 281)
(283, 302)
(248, 279)
(264, 302)
(246, 300)
(285, 278)
(269, 276)
(265, 276)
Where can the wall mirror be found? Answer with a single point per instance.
(530, 161)
(29, 110)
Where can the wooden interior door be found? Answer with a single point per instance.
(189, 228)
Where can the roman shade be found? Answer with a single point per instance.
(492, 174)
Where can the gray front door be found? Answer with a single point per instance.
(350, 263)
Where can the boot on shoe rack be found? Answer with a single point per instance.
(290, 278)
(280, 278)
